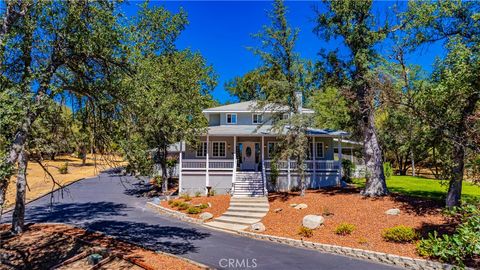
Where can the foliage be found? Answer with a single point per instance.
(400, 234)
(347, 169)
(183, 206)
(203, 206)
(331, 109)
(387, 170)
(194, 210)
(305, 232)
(344, 228)
(198, 194)
(212, 192)
(174, 203)
(186, 197)
(63, 169)
(459, 247)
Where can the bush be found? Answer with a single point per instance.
(344, 228)
(362, 241)
(387, 170)
(400, 234)
(305, 232)
(198, 194)
(193, 210)
(64, 168)
(183, 206)
(327, 212)
(186, 197)
(174, 203)
(212, 192)
(203, 206)
(347, 168)
(462, 246)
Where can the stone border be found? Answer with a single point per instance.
(379, 257)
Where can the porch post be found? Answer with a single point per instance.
(180, 169)
(207, 165)
(314, 154)
(263, 168)
(288, 173)
(234, 162)
(339, 160)
(351, 154)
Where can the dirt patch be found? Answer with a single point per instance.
(40, 183)
(219, 204)
(366, 214)
(43, 246)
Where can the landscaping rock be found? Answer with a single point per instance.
(278, 210)
(293, 204)
(312, 221)
(209, 204)
(257, 227)
(393, 212)
(156, 200)
(301, 206)
(206, 216)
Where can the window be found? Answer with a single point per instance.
(257, 118)
(285, 116)
(202, 149)
(272, 149)
(320, 149)
(231, 118)
(218, 149)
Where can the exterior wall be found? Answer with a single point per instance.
(214, 119)
(244, 118)
(328, 147)
(191, 153)
(193, 182)
(321, 180)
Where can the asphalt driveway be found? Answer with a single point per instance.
(114, 205)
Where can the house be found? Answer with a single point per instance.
(235, 155)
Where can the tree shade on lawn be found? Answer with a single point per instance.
(423, 187)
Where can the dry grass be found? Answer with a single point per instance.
(40, 183)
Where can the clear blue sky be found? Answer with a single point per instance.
(221, 32)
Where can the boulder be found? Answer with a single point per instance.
(156, 200)
(278, 210)
(393, 212)
(301, 206)
(312, 221)
(205, 216)
(257, 227)
(209, 204)
(293, 204)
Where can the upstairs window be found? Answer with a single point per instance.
(231, 118)
(257, 118)
(218, 149)
(202, 149)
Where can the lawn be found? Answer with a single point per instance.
(423, 187)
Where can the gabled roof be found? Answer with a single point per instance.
(250, 106)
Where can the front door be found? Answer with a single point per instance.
(248, 156)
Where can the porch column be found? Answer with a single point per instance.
(263, 168)
(351, 154)
(180, 169)
(288, 174)
(314, 167)
(234, 161)
(339, 160)
(207, 165)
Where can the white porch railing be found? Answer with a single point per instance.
(215, 164)
(317, 165)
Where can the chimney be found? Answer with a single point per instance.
(299, 100)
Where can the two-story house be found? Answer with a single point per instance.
(235, 156)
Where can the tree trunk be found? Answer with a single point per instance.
(375, 185)
(163, 163)
(455, 185)
(18, 217)
(413, 163)
(83, 153)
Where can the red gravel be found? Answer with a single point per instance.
(367, 214)
(220, 204)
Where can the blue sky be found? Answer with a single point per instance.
(221, 32)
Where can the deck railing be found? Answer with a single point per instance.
(317, 165)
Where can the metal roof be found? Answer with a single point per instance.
(266, 130)
(251, 106)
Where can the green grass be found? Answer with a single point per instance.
(423, 187)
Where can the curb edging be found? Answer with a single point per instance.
(378, 257)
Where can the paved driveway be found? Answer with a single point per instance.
(113, 205)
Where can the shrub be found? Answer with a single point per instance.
(326, 212)
(347, 168)
(170, 202)
(305, 232)
(193, 210)
(203, 206)
(387, 170)
(64, 168)
(186, 197)
(183, 206)
(362, 241)
(212, 192)
(198, 194)
(460, 247)
(174, 203)
(344, 228)
(400, 234)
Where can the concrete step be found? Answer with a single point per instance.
(249, 195)
(226, 226)
(238, 220)
(230, 213)
(251, 205)
(247, 200)
(248, 209)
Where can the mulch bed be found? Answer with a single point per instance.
(367, 214)
(220, 204)
(43, 246)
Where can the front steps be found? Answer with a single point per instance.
(242, 213)
(249, 184)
